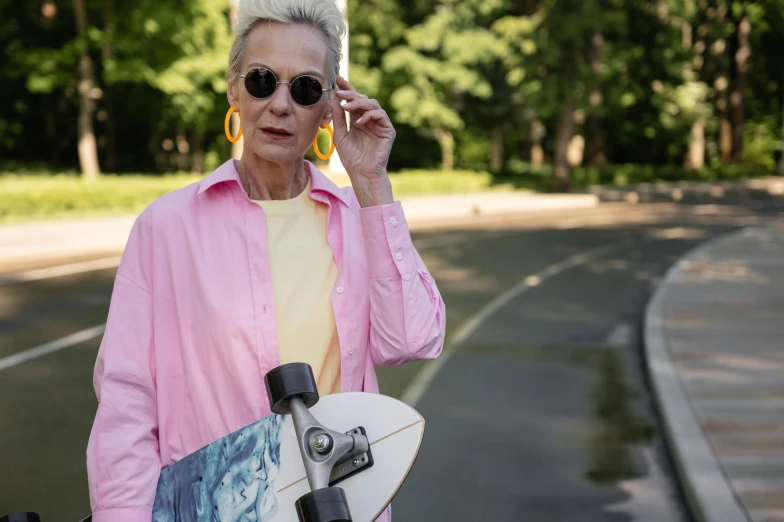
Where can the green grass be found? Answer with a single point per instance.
(427, 182)
(28, 195)
(35, 197)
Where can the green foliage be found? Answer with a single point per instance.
(438, 71)
(762, 142)
(462, 80)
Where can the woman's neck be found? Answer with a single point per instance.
(264, 180)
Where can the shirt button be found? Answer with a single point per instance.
(350, 352)
(398, 256)
(265, 309)
(393, 220)
(340, 289)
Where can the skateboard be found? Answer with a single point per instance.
(289, 467)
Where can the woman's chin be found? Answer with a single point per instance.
(283, 152)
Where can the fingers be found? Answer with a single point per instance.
(350, 95)
(380, 115)
(362, 104)
(338, 118)
(343, 84)
(361, 108)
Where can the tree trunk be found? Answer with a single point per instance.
(236, 148)
(740, 61)
(537, 151)
(561, 167)
(594, 146)
(725, 127)
(696, 157)
(88, 151)
(111, 122)
(537, 154)
(497, 149)
(447, 142)
(721, 84)
(781, 158)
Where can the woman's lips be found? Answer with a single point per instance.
(275, 134)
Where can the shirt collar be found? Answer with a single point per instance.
(319, 182)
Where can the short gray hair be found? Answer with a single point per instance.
(323, 15)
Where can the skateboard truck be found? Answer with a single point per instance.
(329, 456)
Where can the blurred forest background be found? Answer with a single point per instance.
(582, 91)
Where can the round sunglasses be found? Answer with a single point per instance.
(305, 90)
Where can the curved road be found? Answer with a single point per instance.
(538, 410)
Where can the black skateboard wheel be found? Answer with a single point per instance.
(323, 505)
(290, 380)
(21, 516)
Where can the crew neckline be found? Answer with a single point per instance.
(286, 206)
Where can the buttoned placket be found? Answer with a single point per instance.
(264, 316)
(339, 294)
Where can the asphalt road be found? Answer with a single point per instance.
(538, 410)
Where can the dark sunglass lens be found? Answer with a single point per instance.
(306, 90)
(260, 83)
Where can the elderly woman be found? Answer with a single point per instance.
(263, 262)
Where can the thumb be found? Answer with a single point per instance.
(338, 119)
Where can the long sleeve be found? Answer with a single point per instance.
(123, 458)
(407, 314)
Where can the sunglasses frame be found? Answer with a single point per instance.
(278, 82)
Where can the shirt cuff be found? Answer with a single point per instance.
(388, 246)
(122, 515)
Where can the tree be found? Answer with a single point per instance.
(567, 30)
(480, 84)
(181, 52)
(740, 58)
(437, 72)
(88, 151)
(780, 170)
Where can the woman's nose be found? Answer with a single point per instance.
(280, 102)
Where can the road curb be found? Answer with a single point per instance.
(694, 191)
(708, 492)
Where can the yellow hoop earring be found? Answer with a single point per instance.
(226, 126)
(331, 140)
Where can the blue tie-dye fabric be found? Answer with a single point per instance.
(231, 480)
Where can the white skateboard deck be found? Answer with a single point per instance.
(256, 474)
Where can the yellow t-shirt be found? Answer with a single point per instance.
(303, 276)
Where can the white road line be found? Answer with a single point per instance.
(414, 392)
(60, 270)
(52, 346)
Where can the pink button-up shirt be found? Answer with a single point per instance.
(191, 330)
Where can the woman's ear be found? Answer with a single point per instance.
(232, 90)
